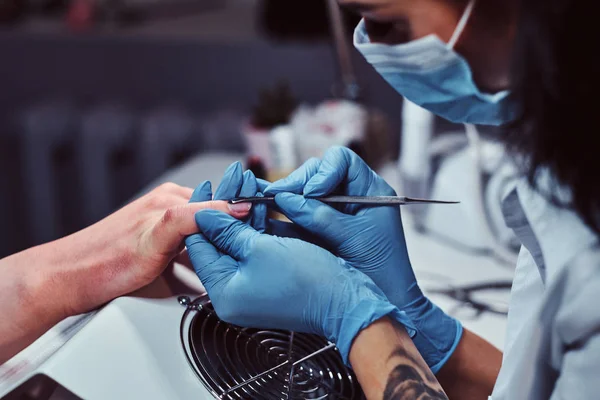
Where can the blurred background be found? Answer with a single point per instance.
(99, 97)
(101, 100)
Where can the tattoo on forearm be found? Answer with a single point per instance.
(411, 380)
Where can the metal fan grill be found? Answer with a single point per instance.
(244, 363)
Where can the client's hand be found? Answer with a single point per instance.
(259, 280)
(120, 254)
(370, 239)
(130, 248)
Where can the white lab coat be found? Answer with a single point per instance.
(552, 348)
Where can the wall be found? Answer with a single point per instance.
(145, 71)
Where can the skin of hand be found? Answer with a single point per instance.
(370, 239)
(116, 256)
(486, 43)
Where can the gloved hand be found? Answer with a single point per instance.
(236, 183)
(370, 239)
(264, 281)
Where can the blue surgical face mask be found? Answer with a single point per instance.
(430, 73)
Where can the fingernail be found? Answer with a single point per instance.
(239, 208)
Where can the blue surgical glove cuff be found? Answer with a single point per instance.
(354, 321)
(438, 334)
(457, 337)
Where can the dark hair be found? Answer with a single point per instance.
(556, 79)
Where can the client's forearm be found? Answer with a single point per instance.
(28, 305)
(388, 366)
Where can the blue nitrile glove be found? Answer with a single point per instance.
(368, 238)
(263, 281)
(237, 183)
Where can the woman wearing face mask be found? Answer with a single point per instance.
(520, 64)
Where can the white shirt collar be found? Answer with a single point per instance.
(558, 233)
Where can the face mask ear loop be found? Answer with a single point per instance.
(460, 27)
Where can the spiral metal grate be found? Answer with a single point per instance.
(244, 363)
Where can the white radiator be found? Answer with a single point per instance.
(79, 164)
